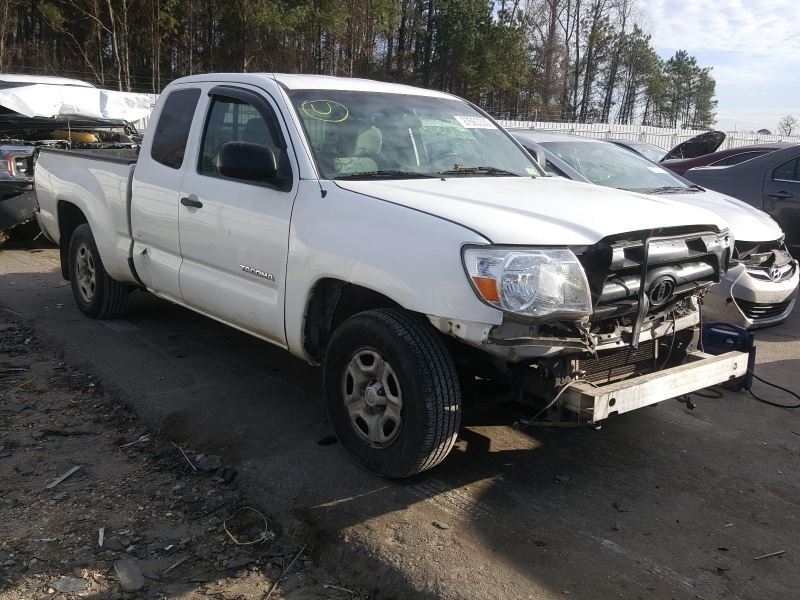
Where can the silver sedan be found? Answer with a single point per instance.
(759, 290)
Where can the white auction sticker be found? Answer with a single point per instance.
(474, 122)
(658, 170)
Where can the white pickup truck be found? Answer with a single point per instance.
(402, 239)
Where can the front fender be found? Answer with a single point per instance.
(411, 257)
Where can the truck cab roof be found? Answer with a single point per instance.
(291, 81)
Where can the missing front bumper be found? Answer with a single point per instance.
(700, 371)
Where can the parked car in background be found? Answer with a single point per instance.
(54, 112)
(649, 151)
(759, 291)
(770, 181)
(402, 239)
(722, 158)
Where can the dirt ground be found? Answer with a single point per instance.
(140, 517)
(662, 503)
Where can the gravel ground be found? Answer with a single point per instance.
(140, 516)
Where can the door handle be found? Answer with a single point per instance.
(191, 202)
(781, 195)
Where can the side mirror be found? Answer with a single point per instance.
(541, 159)
(248, 161)
(537, 153)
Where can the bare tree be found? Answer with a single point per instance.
(787, 125)
(594, 45)
(623, 14)
(5, 25)
(114, 43)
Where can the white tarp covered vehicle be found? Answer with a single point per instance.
(55, 112)
(54, 97)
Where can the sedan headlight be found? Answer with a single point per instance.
(533, 282)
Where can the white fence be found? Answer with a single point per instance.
(660, 136)
(666, 138)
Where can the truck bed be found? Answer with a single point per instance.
(98, 183)
(118, 155)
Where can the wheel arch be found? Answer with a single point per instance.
(330, 303)
(70, 216)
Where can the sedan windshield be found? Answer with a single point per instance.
(369, 135)
(649, 151)
(611, 166)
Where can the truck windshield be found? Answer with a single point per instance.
(370, 135)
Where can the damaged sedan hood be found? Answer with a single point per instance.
(50, 100)
(699, 145)
(542, 210)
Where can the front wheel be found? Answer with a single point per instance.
(96, 294)
(392, 392)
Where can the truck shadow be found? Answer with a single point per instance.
(623, 511)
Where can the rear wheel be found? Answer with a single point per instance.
(392, 392)
(96, 294)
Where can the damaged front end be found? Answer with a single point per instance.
(17, 199)
(646, 289)
(760, 288)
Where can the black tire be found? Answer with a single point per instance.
(425, 377)
(103, 298)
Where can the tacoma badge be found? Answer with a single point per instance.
(258, 272)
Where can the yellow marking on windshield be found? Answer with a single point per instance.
(329, 111)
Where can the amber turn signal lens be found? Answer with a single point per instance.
(487, 288)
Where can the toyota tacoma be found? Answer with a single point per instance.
(404, 241)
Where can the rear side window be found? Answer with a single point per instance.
(172, 131)
(788, 171)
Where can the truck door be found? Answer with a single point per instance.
(234, 230)
(155, 193)
(782, 200)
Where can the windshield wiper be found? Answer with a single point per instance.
(491, 171)
(672, 189)
(385, 174)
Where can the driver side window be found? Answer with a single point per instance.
(232, 120)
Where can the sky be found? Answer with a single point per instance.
(752, 45)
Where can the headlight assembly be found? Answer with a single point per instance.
(532, 282)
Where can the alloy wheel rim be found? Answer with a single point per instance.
(372, 398)
(86, 273)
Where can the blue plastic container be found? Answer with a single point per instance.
(719, 338)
